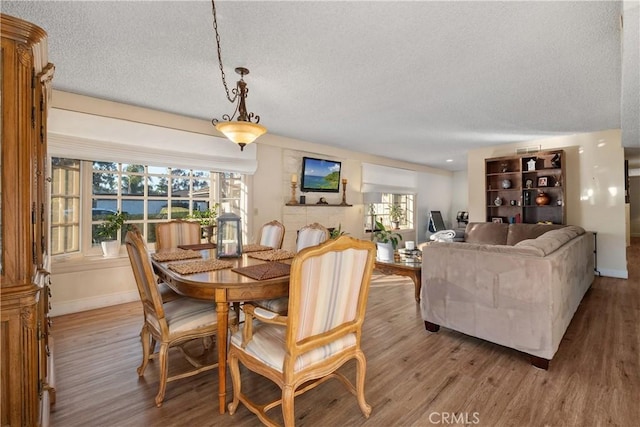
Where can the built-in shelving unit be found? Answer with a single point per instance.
(514, 183)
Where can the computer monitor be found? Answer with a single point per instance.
(436, 223)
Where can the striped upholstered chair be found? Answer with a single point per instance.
(309, 235)
(170, 235)
(179, 232)
(171, 324)
(271, 234)
(328, 294)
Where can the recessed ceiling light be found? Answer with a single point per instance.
(449, 160)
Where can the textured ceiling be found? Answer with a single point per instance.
(417, 81)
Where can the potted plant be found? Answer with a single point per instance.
(386, 242)
(396, 214)
(337, 232)
(207, 219)
(108, 231)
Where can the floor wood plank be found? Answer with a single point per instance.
(414, 377)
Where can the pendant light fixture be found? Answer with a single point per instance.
(245, 129)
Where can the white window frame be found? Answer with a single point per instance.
(86, 246)
(382, 211)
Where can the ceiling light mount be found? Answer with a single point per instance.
(245, 129)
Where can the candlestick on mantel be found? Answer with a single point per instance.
(344, 192)
(294, 178)
(293, 200)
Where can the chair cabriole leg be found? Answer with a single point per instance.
(164, 369)
(287, 405)
(235, 380)
(360, 374)
(144, 338)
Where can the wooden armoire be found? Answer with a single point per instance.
(26, 387)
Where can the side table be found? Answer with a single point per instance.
(411, 269)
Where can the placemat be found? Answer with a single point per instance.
(192, 267)
(266, 271)
(255, 248)
(272, 255)
(175, 254)
(199, 246)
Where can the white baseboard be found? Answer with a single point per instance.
(84, 304)
(618, 274)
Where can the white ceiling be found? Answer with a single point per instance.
(416, 81)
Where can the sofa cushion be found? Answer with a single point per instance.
(551, 240)
(521, 231)
(488, 233)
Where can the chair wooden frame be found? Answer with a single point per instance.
(273, 223)
(311, 376)
(156, 326)
(192, 226)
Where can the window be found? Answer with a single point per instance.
(65, 206)
(85, 192)
(382, 210)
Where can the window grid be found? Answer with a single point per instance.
(65, 206)
(149, 194)
(380, 211)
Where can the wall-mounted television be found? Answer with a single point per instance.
(319, 175)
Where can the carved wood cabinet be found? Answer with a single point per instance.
(26, 387)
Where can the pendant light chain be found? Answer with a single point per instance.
(224, 81)
(244, 129)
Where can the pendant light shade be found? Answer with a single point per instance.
(245, 129)
(242, 133)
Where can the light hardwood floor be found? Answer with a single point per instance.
(414, 378)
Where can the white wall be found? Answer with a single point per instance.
(91, 282)
(634, 208)
(594, 189)
(435, 193)
(460, 196)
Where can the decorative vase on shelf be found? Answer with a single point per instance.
(531, 165)
(542, 199)
(506, 183)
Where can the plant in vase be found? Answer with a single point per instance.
(207, 219)
(386, 242)
(396, 214)
(108, 232)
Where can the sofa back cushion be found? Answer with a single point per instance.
(521, 231)
(552, 240)
(488, 233)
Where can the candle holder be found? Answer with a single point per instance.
(344, 192)
(293, 200)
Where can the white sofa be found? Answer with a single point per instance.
(522, 295)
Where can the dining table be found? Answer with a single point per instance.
(223, 286)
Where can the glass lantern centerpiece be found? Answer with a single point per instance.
(229, 236)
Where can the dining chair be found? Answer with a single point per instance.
(170, 235)
(328, 291)
(178, 232)
(309, 235)
(172, 324)
(271, 234)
